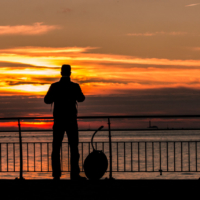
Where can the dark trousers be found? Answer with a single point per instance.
(71, 128)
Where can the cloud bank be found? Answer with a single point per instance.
(30, 70)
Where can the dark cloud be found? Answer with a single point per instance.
(14, 106)
(133, 79)
(101, 80)
(94, 64)
(167, 101)
(20, 82)
(94, 80)
(66, 10)
(46, 80)
(34, 81)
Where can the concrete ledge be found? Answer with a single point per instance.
(103, 189)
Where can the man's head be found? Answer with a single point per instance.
(66, 70)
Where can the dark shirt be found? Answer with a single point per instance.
(65, 95)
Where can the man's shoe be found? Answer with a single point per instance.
(56, 178)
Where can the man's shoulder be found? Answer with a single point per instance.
(55, 83)
(60, 84)
(74, 84)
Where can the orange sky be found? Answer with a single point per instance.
(114, 47)
(30, 70)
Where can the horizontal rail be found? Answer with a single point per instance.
(110, 116)
(148, 129)
(122, 142)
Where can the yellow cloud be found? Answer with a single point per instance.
(97, 73)
(52, 57)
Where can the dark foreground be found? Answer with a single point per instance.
(103, 189)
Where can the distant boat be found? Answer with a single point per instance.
(151, 126)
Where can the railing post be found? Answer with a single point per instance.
(20, 146)
(110, 150)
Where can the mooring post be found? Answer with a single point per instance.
(20, 146)
(110, 149)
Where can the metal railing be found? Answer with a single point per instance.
(134, 156)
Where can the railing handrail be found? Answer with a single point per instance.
(110, 116)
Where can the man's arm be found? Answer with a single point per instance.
(49, 97)
(80, 96)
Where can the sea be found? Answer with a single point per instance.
(155, 154)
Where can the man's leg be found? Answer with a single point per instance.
(72, 133)
(58, 134)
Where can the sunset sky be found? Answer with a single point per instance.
(129, 57)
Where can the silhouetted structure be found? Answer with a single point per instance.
(151, 126)
(65, 95)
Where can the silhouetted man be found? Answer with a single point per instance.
(65, 95)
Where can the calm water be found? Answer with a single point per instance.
(149, 154)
